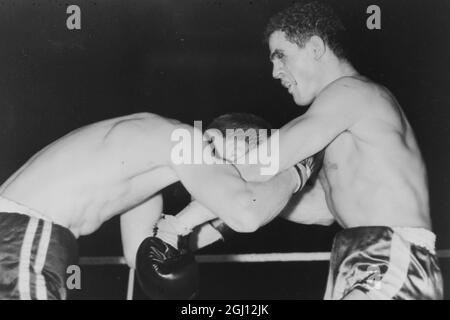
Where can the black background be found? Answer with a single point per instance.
(194, 60)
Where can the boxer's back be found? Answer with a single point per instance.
(95, 172)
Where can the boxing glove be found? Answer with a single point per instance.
(166, 273)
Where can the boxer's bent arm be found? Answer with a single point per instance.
(309, 207)
(243, 206)
(137, 224)
(194, 214)
(337, 108)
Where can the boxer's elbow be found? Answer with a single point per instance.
(326, 222)
(244, 224)
(245, 217)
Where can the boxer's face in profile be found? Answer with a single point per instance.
(296, 67)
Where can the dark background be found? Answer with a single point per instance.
(194, 60)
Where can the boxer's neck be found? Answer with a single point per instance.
(334, 68)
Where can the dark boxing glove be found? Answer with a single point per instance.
(166, 273)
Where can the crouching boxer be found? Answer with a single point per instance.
(165, 265)
(116, 166)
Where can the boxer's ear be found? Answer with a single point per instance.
(317, 47)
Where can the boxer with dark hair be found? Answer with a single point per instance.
(373, 179)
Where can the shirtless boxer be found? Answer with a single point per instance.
(373, 177)
(373, 180)
(112, 167)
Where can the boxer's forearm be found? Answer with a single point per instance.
(269, 198)
(195, 214)
(217, 187)
(203, 236)
(243, 206)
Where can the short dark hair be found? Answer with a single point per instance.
(303, 20)
(237, 120)
(247, 127)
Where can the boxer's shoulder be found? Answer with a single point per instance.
(346, 95)
(142, 121)
(142, 126)
(348, 88)
(356, 93)
(361, 87)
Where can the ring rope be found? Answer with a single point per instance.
(239, 258)
(223, 258)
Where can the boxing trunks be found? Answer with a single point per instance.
(34, 254)
(385, 263)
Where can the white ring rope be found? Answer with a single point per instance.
(224, 258)
(238, 258)
(130, 287)
(265, 257)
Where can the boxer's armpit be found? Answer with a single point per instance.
(309, 206)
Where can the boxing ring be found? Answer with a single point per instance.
(228, 258)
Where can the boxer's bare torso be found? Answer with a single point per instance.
(373, 173)
(96, 172)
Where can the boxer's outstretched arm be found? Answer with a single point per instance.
(243, 206)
